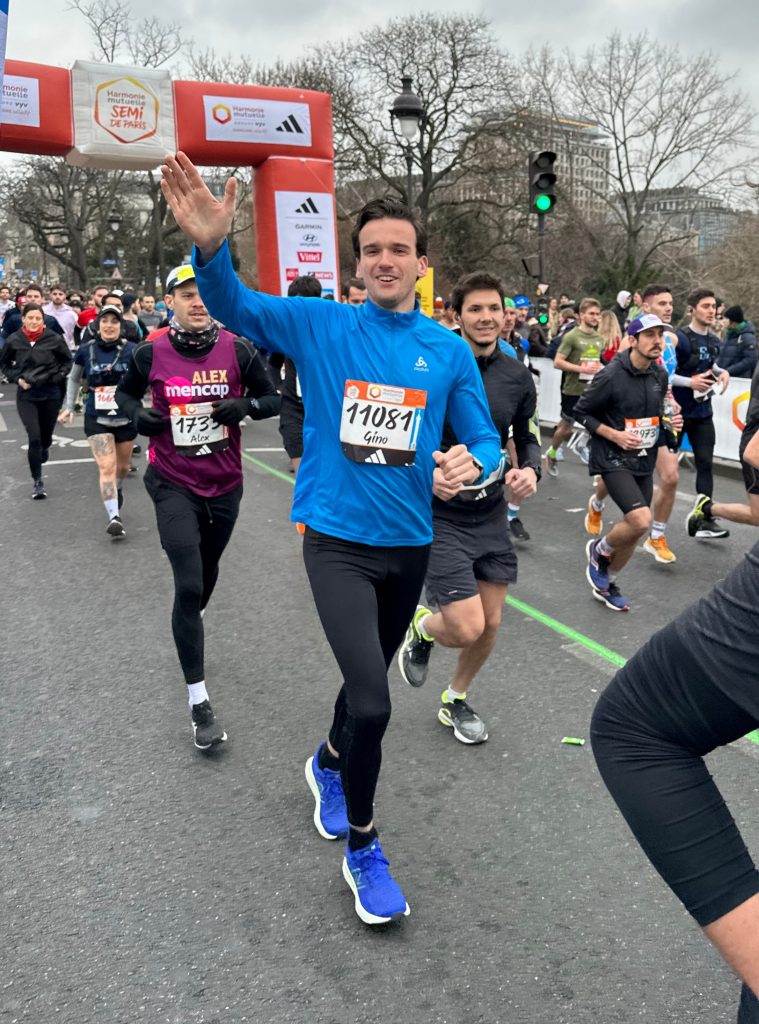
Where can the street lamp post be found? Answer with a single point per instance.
(408, 111)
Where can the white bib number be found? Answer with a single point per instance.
(646, 430)
(194, 432)
(105, 399)
(589, 368)
(380, 423)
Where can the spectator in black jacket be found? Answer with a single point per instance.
(738, 352)
(38, 360)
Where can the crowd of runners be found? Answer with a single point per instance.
(415, 447)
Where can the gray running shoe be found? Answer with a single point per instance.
(467, 725)
(414, 654)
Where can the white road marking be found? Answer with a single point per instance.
(64, 462)
(3, 424)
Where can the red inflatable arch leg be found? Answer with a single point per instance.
(295, 223)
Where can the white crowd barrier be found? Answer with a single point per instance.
(729, 409)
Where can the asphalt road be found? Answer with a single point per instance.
(143, 881)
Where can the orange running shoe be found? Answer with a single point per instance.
(659, 549)
(593, 520)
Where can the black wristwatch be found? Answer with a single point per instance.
(535, 468)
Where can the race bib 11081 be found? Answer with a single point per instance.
(380, 423)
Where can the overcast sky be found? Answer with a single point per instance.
(44, 30)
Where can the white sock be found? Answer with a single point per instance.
(450, 695)
(513, 511)
(597, 505)
(197, 692)
(604, 549)
(111, 507)
(658, 529)
(422, 630)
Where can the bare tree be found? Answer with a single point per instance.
(461, 76)
(672, 122)
(149, 43)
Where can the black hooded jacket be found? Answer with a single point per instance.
(619, 393)
(45, 364)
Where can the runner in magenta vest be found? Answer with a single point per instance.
(203, 382)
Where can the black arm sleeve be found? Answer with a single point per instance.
(134, 383)
(257, 382)
(525, 441)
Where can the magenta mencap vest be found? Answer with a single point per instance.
(176, 380)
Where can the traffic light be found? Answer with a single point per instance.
(542, 311)
(542, 181)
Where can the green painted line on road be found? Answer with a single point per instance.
(571, 634)
(269, 469)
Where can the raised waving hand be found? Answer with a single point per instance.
(201, 216)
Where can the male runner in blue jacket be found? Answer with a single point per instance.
(377, 383)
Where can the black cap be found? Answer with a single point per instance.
(734, 314)
(111, 309)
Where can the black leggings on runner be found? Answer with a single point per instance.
(39, 418)
(365, 597)
(650, 731)
(194, 532)
(702, 439)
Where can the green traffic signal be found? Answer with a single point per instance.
(543, 203)
(543, 319)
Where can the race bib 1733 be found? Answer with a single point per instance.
(194, 432)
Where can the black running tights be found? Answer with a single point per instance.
(650, 731)
(702, 439)
(39, 418)
(365, 597)
(194, 532)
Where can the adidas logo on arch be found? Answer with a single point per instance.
(291, 126)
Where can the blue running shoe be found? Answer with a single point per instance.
(330, 813)
(597, 572)
(612, 598)
(378, 897)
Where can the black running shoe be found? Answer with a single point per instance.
(115, 529)
(414, 654)
(709, 529)
(206, 728)
(517, 529)
(136, 449)
(38, 491)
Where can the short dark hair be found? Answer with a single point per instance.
(33, 288)
(353, 282)
(655, 289)
(306, 286)
(111, 295)
(30, 307)
(388, 208)
(698, 295)
(57, 288)
(478, 280)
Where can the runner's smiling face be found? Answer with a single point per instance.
(110, 327)
(481, 319)
(188, 307)
(389, 264)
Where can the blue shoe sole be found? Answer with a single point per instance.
(364, 914)
(314, 787)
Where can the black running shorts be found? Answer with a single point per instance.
(627, 491)
(126, 432)
(463, 554)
